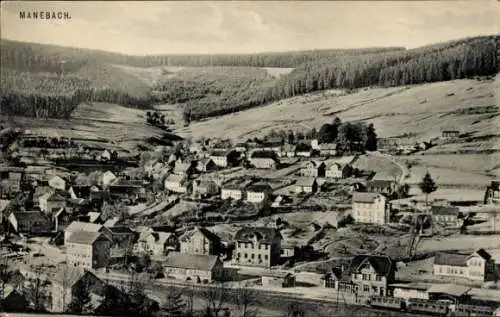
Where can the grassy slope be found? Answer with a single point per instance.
(424, 110)
(124, 127)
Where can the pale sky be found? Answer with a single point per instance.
(248, 27)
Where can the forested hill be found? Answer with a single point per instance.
(48, 58)
(226, 83)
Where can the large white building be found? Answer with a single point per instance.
(370, 208)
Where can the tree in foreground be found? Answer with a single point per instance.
(174, 305)
(246, 302)
(81, 301)
(428, 186)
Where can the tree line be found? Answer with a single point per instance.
(51, 58)
(223, 90)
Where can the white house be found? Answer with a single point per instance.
(57, 182)
(370, 208)
(336, 170)
(108, 178)
(232, 192)
(478, 266)
(257, 193)
(176, 183)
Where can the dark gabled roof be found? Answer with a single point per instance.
(82, 191)
(264, 154)
(484, 254)
(221, 152)
(451, 259)
(258, 188)
(209, 235)
(445, 210)
(360, 197)
(84, 237)
(190, 261)
(263, 234)
(383, 265)
(32, 215)
(378, 183)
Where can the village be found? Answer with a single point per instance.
(298, 214)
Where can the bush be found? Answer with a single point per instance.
(346, 220)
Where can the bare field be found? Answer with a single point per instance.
(460, 242)
(123, 127)
(278, 71)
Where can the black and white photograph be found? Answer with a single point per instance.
(250, 158)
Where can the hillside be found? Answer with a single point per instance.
(421, 111)
(211, 85)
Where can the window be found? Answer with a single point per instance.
(378, 278)
(266, 257)
(266, 247)
(366, 288)
(253, 256)
(259, 256)
(239, 255)
(246, 255)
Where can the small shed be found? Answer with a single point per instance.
(278, 279)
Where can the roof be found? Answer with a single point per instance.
(68, 275)
(83, 226)
(288, 147)
(162, 237)
(173, 178)
(108, 174)
(484, 254)
(263, 234)
(445, 210)
(417, 286)
(207, 233)
(264, 154)
(32, 215)
(277, 274)
(181, 167)
(84, 237)
(221, 152)
(380, 183)
(81, 191)
(93, 216)
(452, 289)
(359, 197)
(451, 258)
(305, 181)
(383, 265)
(190, 261)
(111, 222)
(328, 146)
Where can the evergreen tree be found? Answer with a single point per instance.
(427, 186)
(81, 301)
(371, 138)
(174, 305)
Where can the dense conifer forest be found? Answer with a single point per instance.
(50, 81)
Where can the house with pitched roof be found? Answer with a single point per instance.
(306, 185)
(176, 183)
(447, 215)
(370, 208)
(88, 249)
(32, 221)
(51, 202)
(194, 267)
(313, 168)
(205, 165)
(477, 266)
(257, 246)
(223, 157)
(205, 187)
(57, 182)
(258, 192)
(156, 243)
(77, 226)
(200, 241)
(366, 275)
(381, 186)
(264, 159)
(68, 281)
(108, 178)
(10, 180)
(336, 170)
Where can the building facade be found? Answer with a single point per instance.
(370, 208)
(200, 241)
(257, 246)
(88, 250)
(478, 266)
